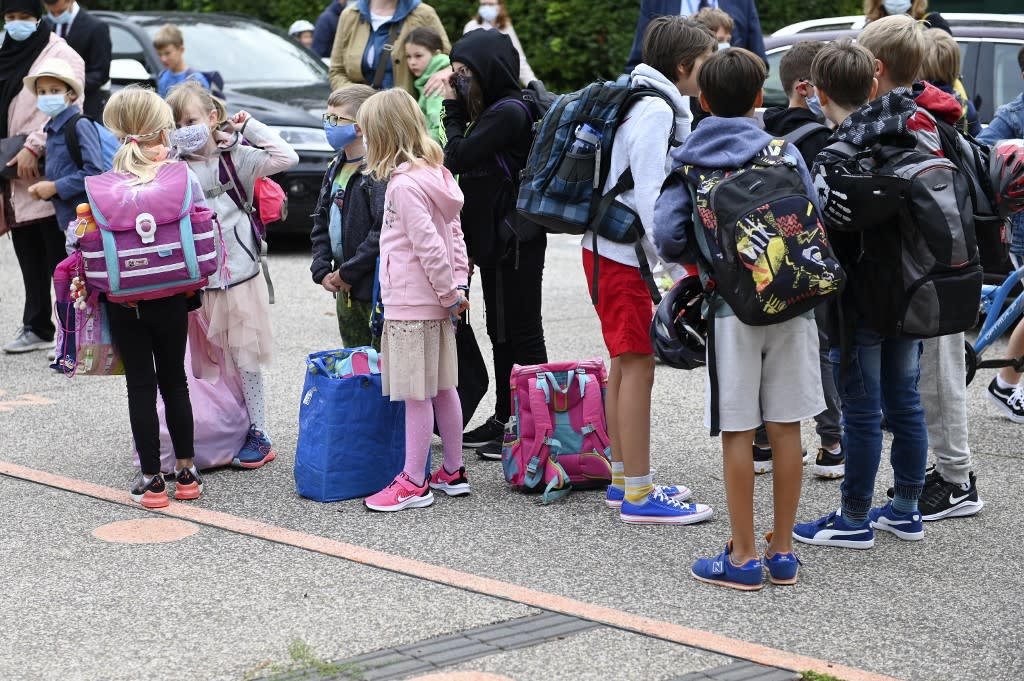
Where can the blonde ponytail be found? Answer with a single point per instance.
(141, 120)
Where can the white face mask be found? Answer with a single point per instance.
(724, 46)
(894, 7)
(489, 13)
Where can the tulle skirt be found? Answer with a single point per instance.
(418, 359)
(239, 323)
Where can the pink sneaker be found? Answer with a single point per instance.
(401, 493)
(452, 484)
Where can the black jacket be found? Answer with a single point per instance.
(501, 135)
(90, 38)
(781, 121)
(361, 218)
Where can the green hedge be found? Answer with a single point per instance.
(568, 42)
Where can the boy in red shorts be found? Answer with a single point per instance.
(673, 49)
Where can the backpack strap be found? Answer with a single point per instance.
(232, 185)
(593, 412)
(71, 138)
(801, 133)
(385, 55)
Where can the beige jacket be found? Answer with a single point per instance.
(25, 119)
(354, 33)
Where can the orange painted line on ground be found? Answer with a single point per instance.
(486, 586)
(24, 401)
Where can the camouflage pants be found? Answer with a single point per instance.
(354, 322)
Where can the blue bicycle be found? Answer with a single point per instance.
(997, 322)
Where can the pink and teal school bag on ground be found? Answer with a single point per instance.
(152, 241)
(557, 436)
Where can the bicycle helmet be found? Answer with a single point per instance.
(300, 26)
(1006, 172)
(678, 330)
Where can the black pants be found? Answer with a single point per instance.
(40, 248)
(520, 304)
(151, 339)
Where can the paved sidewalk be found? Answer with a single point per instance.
(221, 604)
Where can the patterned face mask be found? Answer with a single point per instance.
(191, 138)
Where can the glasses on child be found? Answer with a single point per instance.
(336, 120)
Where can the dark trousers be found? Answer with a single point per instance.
(519, 301)
(151, 339)
(39, 247)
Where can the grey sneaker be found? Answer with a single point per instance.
(26, 341)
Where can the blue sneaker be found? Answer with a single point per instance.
(256, 451)
(661, 509)
(833, 530)
(721, 571)
(782, 567)
(907, 526)
(613, 496)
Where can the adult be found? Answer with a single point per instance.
(746, 31)
(918, 9)
(369, 46)
(488, 140)
(325, 28)
(90, 38)
(492, 14)
(38, 239)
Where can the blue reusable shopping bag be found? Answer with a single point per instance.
(351, 438)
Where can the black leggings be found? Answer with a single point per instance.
(521, 308)
(40, 248)
(151, 339)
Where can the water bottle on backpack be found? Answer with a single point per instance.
(588, 140)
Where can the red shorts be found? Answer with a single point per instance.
(623, 305)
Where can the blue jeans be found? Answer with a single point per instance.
(881, 378)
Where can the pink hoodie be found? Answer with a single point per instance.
(422, 252)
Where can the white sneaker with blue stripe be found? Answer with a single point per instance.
(661, 509)
(613, 496)
(906, 526)
(833, 530)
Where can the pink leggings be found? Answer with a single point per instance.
(419, 426)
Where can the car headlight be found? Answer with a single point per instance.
(304, 139)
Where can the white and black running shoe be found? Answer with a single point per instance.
(941, 499)
(1009, 400)
(490, 431)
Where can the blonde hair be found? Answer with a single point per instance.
(191, 90)
(168, 35)
(140, 119)
(395, 133)
(941, 57)
(714, 18)
(351, 97)
(873, 9)
(898, 42)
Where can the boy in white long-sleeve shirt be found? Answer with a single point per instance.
(674, 49)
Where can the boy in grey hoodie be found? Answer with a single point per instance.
(767, 373)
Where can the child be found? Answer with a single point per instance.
(768, 373)
(151, 334)
(237, 300)
(170, 48)
(941, 68)
(302, 31)
(720, 24)
(674, 49)
(1006, 389)
(880, 375)
(346, 224)
(57, 93)
(487, 140)
(424, 51)
(423, 276)
(804, 114)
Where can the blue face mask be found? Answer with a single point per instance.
(20, 30)
(340, 136)
(815, 106)
(51, 105)
(61, 19)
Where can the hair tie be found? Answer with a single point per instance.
(130, 139)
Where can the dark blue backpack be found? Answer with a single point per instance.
(108, 143)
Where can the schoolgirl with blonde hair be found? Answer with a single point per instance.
(151, 334)
(423, 281)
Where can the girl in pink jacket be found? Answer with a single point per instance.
(423, 276)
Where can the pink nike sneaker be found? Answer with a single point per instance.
(453, 484)
(401, 493)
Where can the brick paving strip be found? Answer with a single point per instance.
(616, 619)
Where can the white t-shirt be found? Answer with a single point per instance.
(689, 7)
(378, 20)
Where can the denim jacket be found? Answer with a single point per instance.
(61, 168)
(1008, 123)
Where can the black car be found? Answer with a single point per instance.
(265, 73)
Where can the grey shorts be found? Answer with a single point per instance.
(765, 373)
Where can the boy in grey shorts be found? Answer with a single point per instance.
(765, 373)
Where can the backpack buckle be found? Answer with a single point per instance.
(145, 227)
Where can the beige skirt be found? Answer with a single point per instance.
(418, 358)
(239, 320)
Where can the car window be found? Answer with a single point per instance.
(256, 54)
(1006, 78)
(124, 45)
(774, 94)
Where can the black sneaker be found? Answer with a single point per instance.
(152, 494)
(762, 460)
(490, 451)
(829, 465)
(1009, 400)
(491, 431)
(940, 499)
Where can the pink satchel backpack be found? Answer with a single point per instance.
(152, 241)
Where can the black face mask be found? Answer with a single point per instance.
(463, 85)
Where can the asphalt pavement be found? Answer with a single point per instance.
(272, 582)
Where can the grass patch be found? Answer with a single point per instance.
(816, 676)
(303, 661)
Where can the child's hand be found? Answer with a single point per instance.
(238, 120)
(456, 309)
(332, 282)
(342, 284)
(28, 164)
(42, 191)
